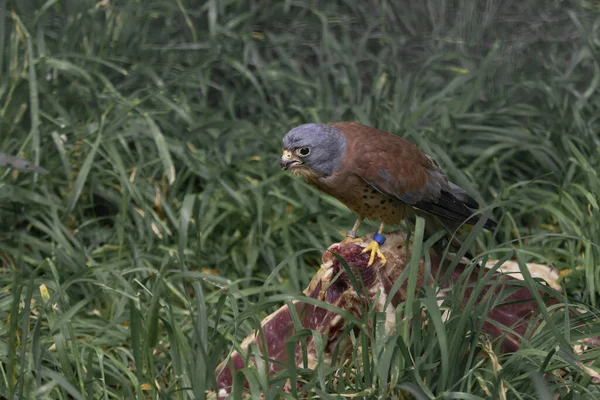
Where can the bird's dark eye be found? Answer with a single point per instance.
(303, 151)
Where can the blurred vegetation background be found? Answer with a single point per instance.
(134, 264)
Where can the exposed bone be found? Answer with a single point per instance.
(332, 285)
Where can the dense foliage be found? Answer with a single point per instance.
(132, 268)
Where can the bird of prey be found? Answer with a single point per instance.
(378, 175)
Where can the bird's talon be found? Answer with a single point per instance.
(373, 247)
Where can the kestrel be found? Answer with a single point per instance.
(376, 174)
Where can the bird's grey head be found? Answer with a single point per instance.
(313, 150)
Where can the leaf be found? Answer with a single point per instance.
(82, 176)
(163, 151)
(20, 164)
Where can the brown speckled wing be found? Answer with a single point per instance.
(398, 169)
(391, 164)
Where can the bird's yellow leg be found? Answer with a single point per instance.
(373, 247)
(351, 235)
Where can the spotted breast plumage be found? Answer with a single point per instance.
(376, 174)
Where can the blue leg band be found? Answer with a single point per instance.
(379, 238)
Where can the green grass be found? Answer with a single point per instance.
(164, 211)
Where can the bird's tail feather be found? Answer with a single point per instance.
(463, 196)
(452, 208)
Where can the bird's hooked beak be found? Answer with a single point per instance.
(288, 160)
